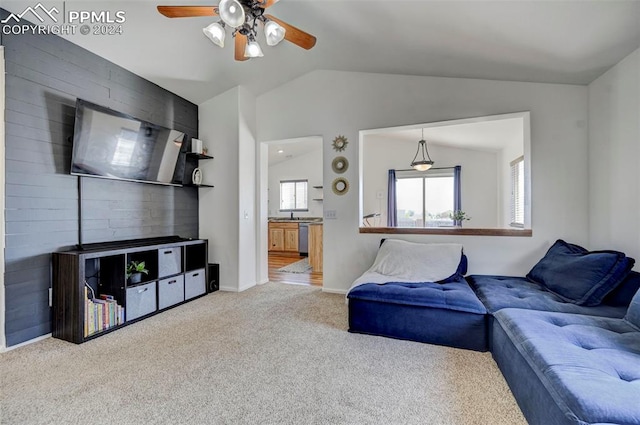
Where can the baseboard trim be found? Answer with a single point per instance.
(228, 289)
(22, 344)
(234, 289)
(334, 291)
(245, 287)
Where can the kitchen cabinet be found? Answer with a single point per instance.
(276, 238)
(291, 238)
(315, 247)
(283, 237)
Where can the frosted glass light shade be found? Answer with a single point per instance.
(215, 32)
(231, 12)
(274, 33)
(422, 165)
(253, 50)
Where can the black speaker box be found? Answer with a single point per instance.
(214, 278)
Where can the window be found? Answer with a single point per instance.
(517, 192)
(293, 195)
(425, 200)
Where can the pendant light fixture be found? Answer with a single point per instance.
(422, 164)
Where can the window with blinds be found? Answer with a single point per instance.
(517, 192)
(293, 195)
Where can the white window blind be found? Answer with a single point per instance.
(293, 195)
(517, 192)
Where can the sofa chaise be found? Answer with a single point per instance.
(444, 311)
(568, 368)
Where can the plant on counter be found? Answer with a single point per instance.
(458, 216)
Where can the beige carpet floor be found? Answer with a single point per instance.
(275, 354)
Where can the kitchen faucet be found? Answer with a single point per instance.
(291, 215)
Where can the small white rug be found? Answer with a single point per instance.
(301, 266)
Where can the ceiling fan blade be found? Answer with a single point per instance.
(268, 3)
(241, 44)
(187, 11)
(295, 35)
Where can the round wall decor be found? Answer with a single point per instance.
(340, 186)
(340, 143)
(340, 164)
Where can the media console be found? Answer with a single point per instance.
(93, 296)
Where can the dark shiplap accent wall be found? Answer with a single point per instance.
(44, 76)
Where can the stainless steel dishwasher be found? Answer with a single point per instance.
(303, 239)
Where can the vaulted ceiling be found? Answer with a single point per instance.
(539, 41)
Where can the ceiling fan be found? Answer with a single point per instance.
(243, 16)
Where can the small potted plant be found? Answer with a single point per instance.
(458, 216)
(135, 270)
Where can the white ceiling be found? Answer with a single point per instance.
(484, 134)
(541, 41)
(285, 150)
(491, 135)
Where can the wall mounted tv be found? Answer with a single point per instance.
(113, 145)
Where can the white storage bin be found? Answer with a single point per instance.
(170, 291)
(169, 261)
(194, 284)
(141, 300)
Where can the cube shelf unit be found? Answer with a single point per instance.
(91, 294)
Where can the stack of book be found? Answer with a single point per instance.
(101, 313)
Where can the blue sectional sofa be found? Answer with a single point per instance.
(568, 347)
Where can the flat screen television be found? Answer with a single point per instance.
(113, 145)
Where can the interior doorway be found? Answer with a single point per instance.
(291, 210)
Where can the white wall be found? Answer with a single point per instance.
(478, 176)
(227, 211)
(247, 261)
(330, 103)
(307, 166)
(614, 153)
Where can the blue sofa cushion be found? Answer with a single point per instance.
(633, 314)
(579, 276)
(498, 292)
(623, 293)
(455, 295)
(589, 365)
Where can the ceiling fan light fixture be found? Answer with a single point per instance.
(215, 32)
(274, 33)
(232, 13)
(253, 50)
